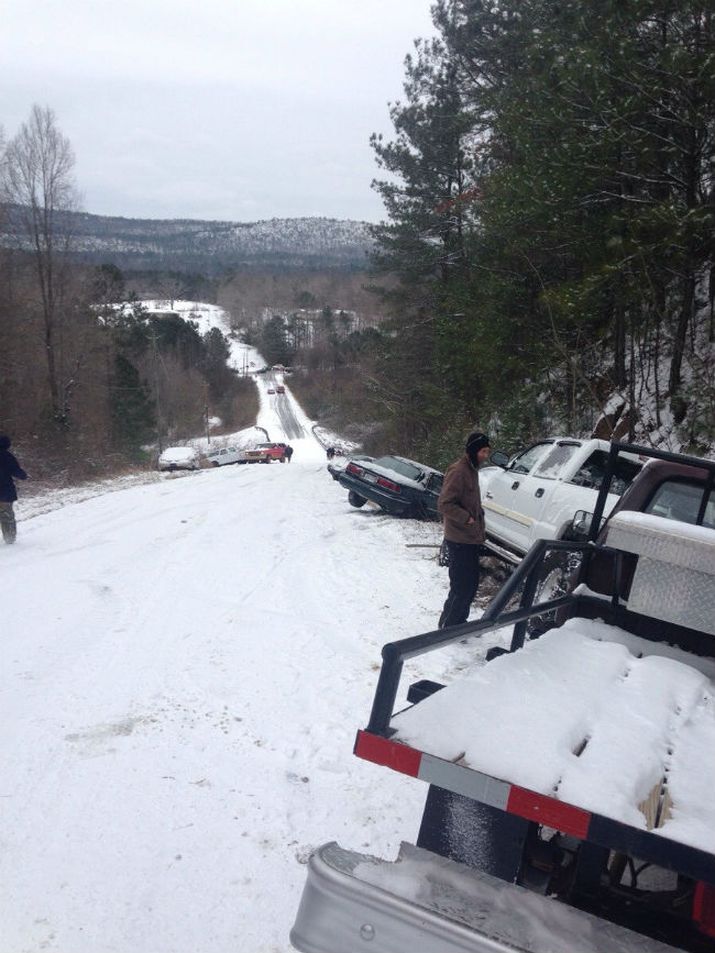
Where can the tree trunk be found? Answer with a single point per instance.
(680, 336)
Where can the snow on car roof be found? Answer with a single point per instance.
(178, 453)
(579, 716)
(378, 466)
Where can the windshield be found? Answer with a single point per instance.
(529, 458)
(554, 462)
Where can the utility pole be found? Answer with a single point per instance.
(208, 428)
(157, 397)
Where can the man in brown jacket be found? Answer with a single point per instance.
(461, 507)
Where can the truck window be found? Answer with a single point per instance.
(591, 474)
(551, 466)
(525, 461)
(676, 500)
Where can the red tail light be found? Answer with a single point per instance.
(354, 469)
(388, 484)
(704, 908)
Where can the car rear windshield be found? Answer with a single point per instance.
(591, 474)
(400, 466)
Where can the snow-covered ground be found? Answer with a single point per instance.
(186, 661)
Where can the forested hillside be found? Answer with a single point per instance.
(211, 247)
(549, 200)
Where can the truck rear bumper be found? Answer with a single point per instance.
(423, 903)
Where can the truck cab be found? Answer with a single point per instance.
(538, 492)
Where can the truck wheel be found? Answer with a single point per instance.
(556, 578)
(354, 499)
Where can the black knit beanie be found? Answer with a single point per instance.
(475, 442)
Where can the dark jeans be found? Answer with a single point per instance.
(463, 582)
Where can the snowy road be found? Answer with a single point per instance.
(185, 665)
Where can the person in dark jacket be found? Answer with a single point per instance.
(10, 470)
(288, 452)
(460, 505)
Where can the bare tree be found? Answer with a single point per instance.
(38, 186)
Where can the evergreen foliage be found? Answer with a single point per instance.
(550, 214)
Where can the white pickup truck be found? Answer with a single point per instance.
(539, 491)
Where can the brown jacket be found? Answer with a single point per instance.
(459, 500)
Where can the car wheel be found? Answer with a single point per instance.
(354, 499)
(214, 463)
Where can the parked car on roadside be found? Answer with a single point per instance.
(225, 455)
(179, 458)
(399, 486)
(271, 390)
(280, 389)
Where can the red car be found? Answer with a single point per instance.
(265, 452)
(280, 389)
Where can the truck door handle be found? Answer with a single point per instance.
(515, 484)
(539, 492)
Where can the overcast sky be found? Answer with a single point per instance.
(224, 109)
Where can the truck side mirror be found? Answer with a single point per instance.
(580, 525)
(499, 459)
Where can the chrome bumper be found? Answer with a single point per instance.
(422, 903)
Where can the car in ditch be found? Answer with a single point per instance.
(179, 458)
(399, 486)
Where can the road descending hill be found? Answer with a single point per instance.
(185, 665)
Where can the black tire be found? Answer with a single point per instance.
(354, 499)
(214, 463)
(557, 576)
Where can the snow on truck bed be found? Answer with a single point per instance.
(585, 715)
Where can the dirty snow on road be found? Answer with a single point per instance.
(185, 665)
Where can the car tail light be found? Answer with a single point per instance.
(704, 908)
(354, 469)
(388, 484)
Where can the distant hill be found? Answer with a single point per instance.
(213, 247)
